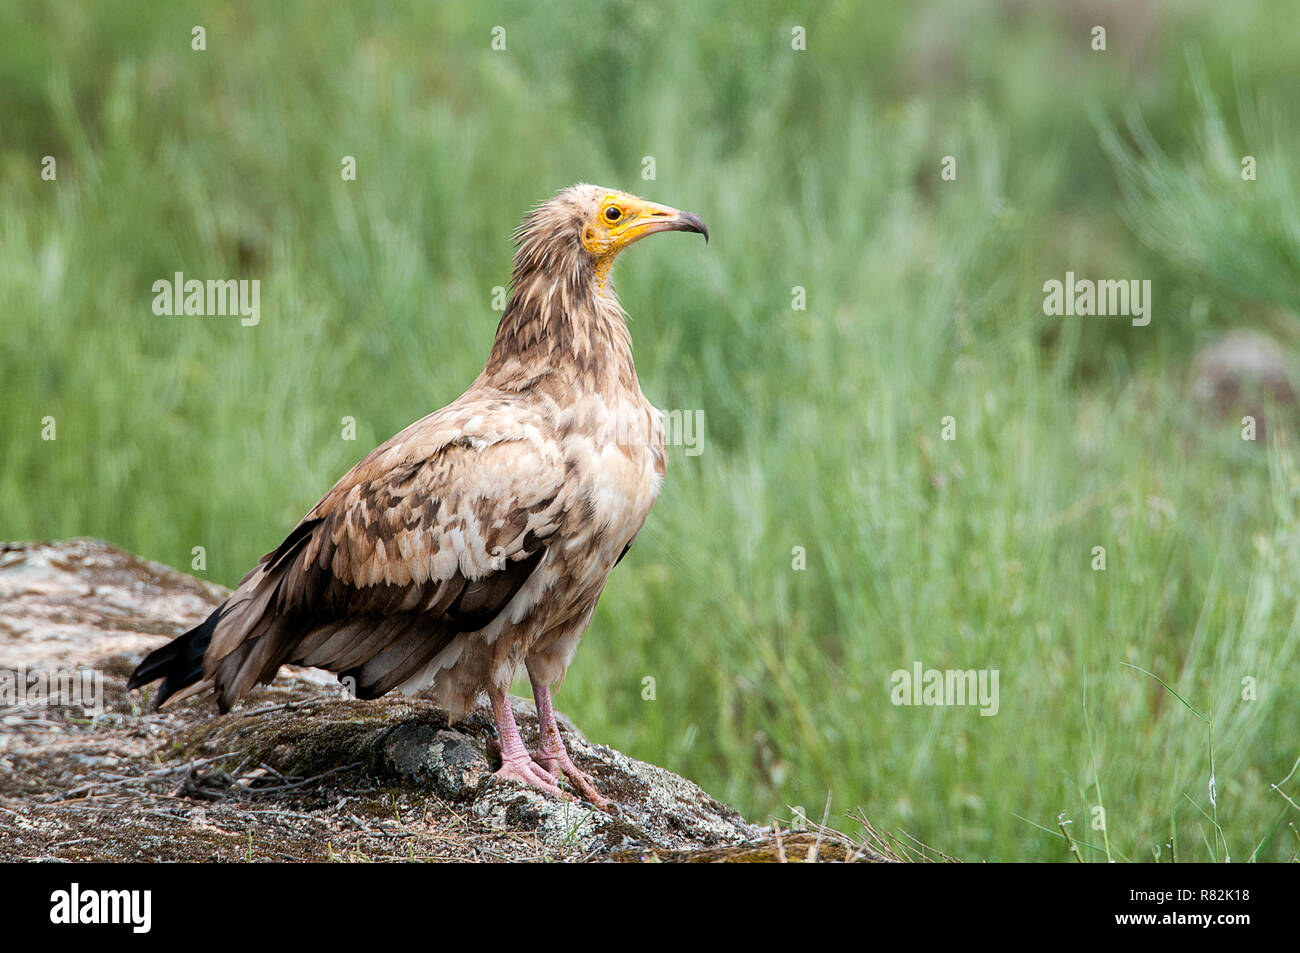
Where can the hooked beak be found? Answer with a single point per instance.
(690, 222)
(653, 218)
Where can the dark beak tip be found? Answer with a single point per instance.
(696, 224)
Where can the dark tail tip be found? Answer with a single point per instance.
(178, 663)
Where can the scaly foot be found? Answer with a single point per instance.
(560, 767)
(552, 756)
(516, 764)
(527, 771)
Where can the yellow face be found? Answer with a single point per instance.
(621, 219)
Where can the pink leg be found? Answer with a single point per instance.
(551, 753)
(516, 763)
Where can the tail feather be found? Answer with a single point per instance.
(179, 663)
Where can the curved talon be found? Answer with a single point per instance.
(583, 784)
(561, 768)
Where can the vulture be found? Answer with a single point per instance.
(477, 540)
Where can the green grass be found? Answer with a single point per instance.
(818, 169)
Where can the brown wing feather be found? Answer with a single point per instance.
(428, 537)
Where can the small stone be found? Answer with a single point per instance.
(452, 763)
(1243, 373)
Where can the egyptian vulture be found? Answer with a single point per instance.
(479, 538)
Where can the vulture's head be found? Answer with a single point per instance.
(584, 227)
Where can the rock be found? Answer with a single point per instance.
(298, 771)
(450, 762)
(1243, 373)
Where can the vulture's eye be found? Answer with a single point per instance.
(613, 214)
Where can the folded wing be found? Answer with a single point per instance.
(430, 536)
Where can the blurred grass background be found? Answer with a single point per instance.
(818, 169)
